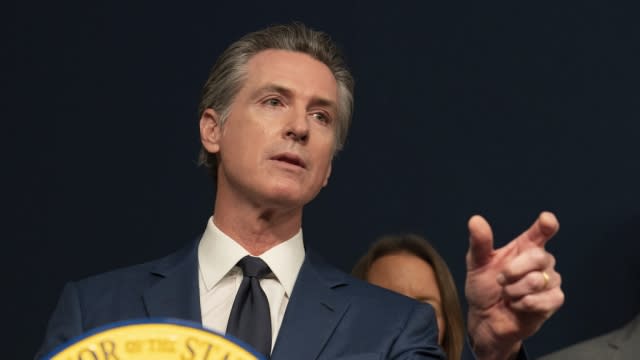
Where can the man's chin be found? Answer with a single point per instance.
(290, 196)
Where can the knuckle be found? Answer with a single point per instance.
(560, 297)
(552, 260)
(528, 302)
(511, 292)
(539, 256)
(534, 282)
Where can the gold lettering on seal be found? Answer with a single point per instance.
(154, 341)
(108, 352)
(161, 345)
(133, 346)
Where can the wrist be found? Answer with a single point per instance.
(496, 351)
(491, 343)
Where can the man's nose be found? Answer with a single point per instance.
(297, 128)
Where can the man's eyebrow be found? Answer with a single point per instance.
(315, 101)
(322, 102)
(273, 88)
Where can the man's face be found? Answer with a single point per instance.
(276, 146)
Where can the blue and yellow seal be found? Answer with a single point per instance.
(154, 339)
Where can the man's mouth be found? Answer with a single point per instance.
(290, 159)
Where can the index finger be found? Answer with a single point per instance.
(543, 229)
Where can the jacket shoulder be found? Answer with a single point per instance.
(361, 292)
(129, 281)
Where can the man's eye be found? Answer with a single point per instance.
(321, 117)
(273, 102)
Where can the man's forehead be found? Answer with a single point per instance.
(293, 70)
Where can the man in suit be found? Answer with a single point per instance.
(275, 110)
(619, 344)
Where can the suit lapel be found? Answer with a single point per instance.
(175, 294)
(314, 308)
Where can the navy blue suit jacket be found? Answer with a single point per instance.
(330, 315)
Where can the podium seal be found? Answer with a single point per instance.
(154, 339)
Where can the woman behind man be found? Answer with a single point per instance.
(409, 265)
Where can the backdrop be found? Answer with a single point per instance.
(502, 110)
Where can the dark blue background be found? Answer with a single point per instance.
(503, 110)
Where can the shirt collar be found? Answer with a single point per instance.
(218, 254)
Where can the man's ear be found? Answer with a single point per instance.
(326, 178)
(210, 131)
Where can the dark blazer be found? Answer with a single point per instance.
(620, 344)
(330, 315)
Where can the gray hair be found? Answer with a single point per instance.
(229, 72)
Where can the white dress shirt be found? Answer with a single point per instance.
(220, 278)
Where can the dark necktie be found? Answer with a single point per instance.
(250, 320)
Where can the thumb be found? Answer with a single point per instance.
(480, 242)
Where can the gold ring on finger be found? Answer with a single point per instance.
(546, 278)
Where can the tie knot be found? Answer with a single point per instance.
(253, 267)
